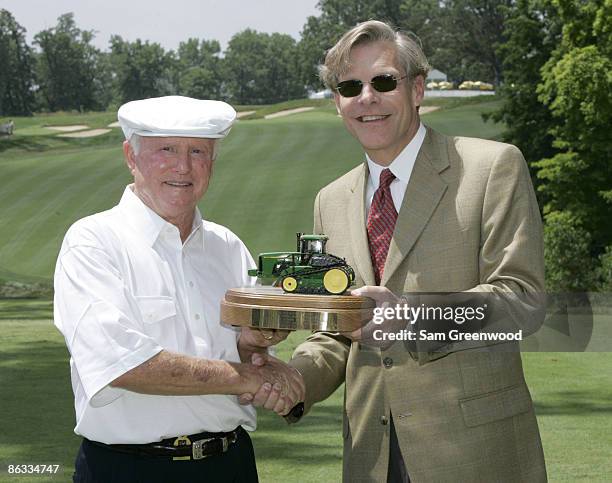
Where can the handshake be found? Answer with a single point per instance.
(268, 382)
(272, 384)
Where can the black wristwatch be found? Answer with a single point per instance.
(295, 414)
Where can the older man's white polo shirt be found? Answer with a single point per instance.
(126, 287)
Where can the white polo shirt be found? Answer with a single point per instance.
(126, 287)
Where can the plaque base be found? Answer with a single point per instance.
(272, 308)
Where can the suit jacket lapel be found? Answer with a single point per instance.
(424, 192)
(357, 227)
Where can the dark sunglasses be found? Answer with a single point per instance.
(382, 83)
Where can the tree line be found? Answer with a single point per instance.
(557, 66)
(63, 70)
(550, 60)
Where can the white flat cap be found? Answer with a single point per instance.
(176, 116)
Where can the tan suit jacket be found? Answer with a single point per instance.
(469, 220)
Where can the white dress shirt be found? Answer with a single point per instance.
(126, 287)
(401, 167)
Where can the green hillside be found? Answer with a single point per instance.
(264, 183)
(263, 187)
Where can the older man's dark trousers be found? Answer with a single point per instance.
(98, 464)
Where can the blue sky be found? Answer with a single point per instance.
(165, 22)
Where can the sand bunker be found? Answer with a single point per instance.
(427, 109)
(114, 124)
(85, 134)
(244, 113)
(76, 127)
(288, 112)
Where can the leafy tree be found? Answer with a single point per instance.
(67, 67)
(320, 33)
(317, 37)
(283, 73)
(103, 82)
(532, 30)
(262, 68)
(423, 18)
(193, 52)
(469, 33)
(557, 109)
(245, 66)
(17, 73)
(605, 270)
(577, 81)
(458, 36)
(141, 70)
(567, 258)
(199, 69)
(347, 13)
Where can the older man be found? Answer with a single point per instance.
(423, 213)
(137, 292)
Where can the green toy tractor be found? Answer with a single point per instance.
(309, 270)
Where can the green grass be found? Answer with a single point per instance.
(20, 145)
(571, 391)
(16, 309)
(573, 401)
(263, 187)
(264, 184)
(93, 119)
(452, 102)
(466, 120)
(308, 451)
(38, 415)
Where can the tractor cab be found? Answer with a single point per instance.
(311, 243)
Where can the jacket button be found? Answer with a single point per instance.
(388, 362)
(384, 420)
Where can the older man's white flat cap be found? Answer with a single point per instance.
(176, 116)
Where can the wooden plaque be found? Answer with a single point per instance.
(272, 308)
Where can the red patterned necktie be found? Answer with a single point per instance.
(381, 223)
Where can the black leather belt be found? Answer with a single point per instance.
(193, 447)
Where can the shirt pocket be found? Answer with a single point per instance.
(159, 317)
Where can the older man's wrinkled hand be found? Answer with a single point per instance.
(282, 388)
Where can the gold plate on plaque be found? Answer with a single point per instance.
(272, 308)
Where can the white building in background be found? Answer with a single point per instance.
(325, 94)
(436, 76)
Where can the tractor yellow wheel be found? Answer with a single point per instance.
(335, 281)
(289, 284)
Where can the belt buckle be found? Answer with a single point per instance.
(181, 441)
(197, 449)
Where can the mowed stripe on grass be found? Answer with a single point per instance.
(265, 193)
(96, 198)
(264, 184)
(51, 203)
(263, 187)
(22, 211)
(38, 243)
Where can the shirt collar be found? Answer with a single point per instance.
(144, 220)
(402, 165)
